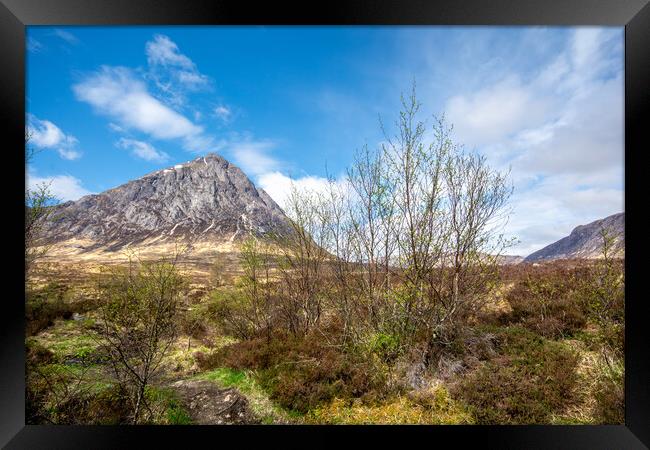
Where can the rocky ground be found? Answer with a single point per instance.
(207, 404)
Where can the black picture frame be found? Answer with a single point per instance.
(634, 15)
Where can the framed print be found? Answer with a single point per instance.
(378, 221)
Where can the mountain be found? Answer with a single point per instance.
(507, 260)
(585, 241)
(205, 200)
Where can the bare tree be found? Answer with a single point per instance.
(413, 173)
(38, 210)
(476, 196)
(139, 323)
(407, 245)
(344, 294)
(301, 263)
(256, 284)
(425, 206)
(365, 180)
(604, 295)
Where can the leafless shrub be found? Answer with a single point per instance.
(139, 325)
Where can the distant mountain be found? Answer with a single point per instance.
(207, 199)
(507, 260)
(585, 241)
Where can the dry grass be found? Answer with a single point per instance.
(498, 303)
(433, 406)
(582, 410)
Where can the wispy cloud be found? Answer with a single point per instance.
(173, 73)
(223, 112)
(66, 36)
(561, 131)
(115, 127)
(117, 93)
(33, 45)
(256, 159)
(494, 113)
(142, 150)
(46, 135)
(164, 52)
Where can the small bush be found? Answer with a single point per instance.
(193, 322)
(108, 407)
(37, 354)
(166, 407)
(610, 396)
(230, 310)
(530, 379)
(57, 394)
(140, 323)
(302, 372)
(176, 415)
(386, 346)
(44, 306)
(547, 302)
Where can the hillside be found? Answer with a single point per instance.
(585, 241)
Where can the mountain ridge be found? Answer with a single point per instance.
(585, 241)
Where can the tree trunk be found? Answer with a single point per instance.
(137, 404)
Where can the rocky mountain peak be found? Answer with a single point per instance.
(205, 198)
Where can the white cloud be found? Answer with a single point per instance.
(561, 131)
(163, 51)
(142, 150)
(116, 128)
(66, 36)
(191, 79)
(495, 112)
(201, 143)
(585, 48)
(278, 185)
(45, 134)
(69, 154)
(117, 93)
(62, 187)
(124, 97)
(253, 157)
(588, 138)
(557, 204)
(173, 73)
(222, 112)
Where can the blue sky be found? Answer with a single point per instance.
(110, 104)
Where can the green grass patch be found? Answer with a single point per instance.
(230, 378)
(68, 339)
(176, 415)
(166, 401)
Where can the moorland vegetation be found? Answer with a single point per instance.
(387, 303)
